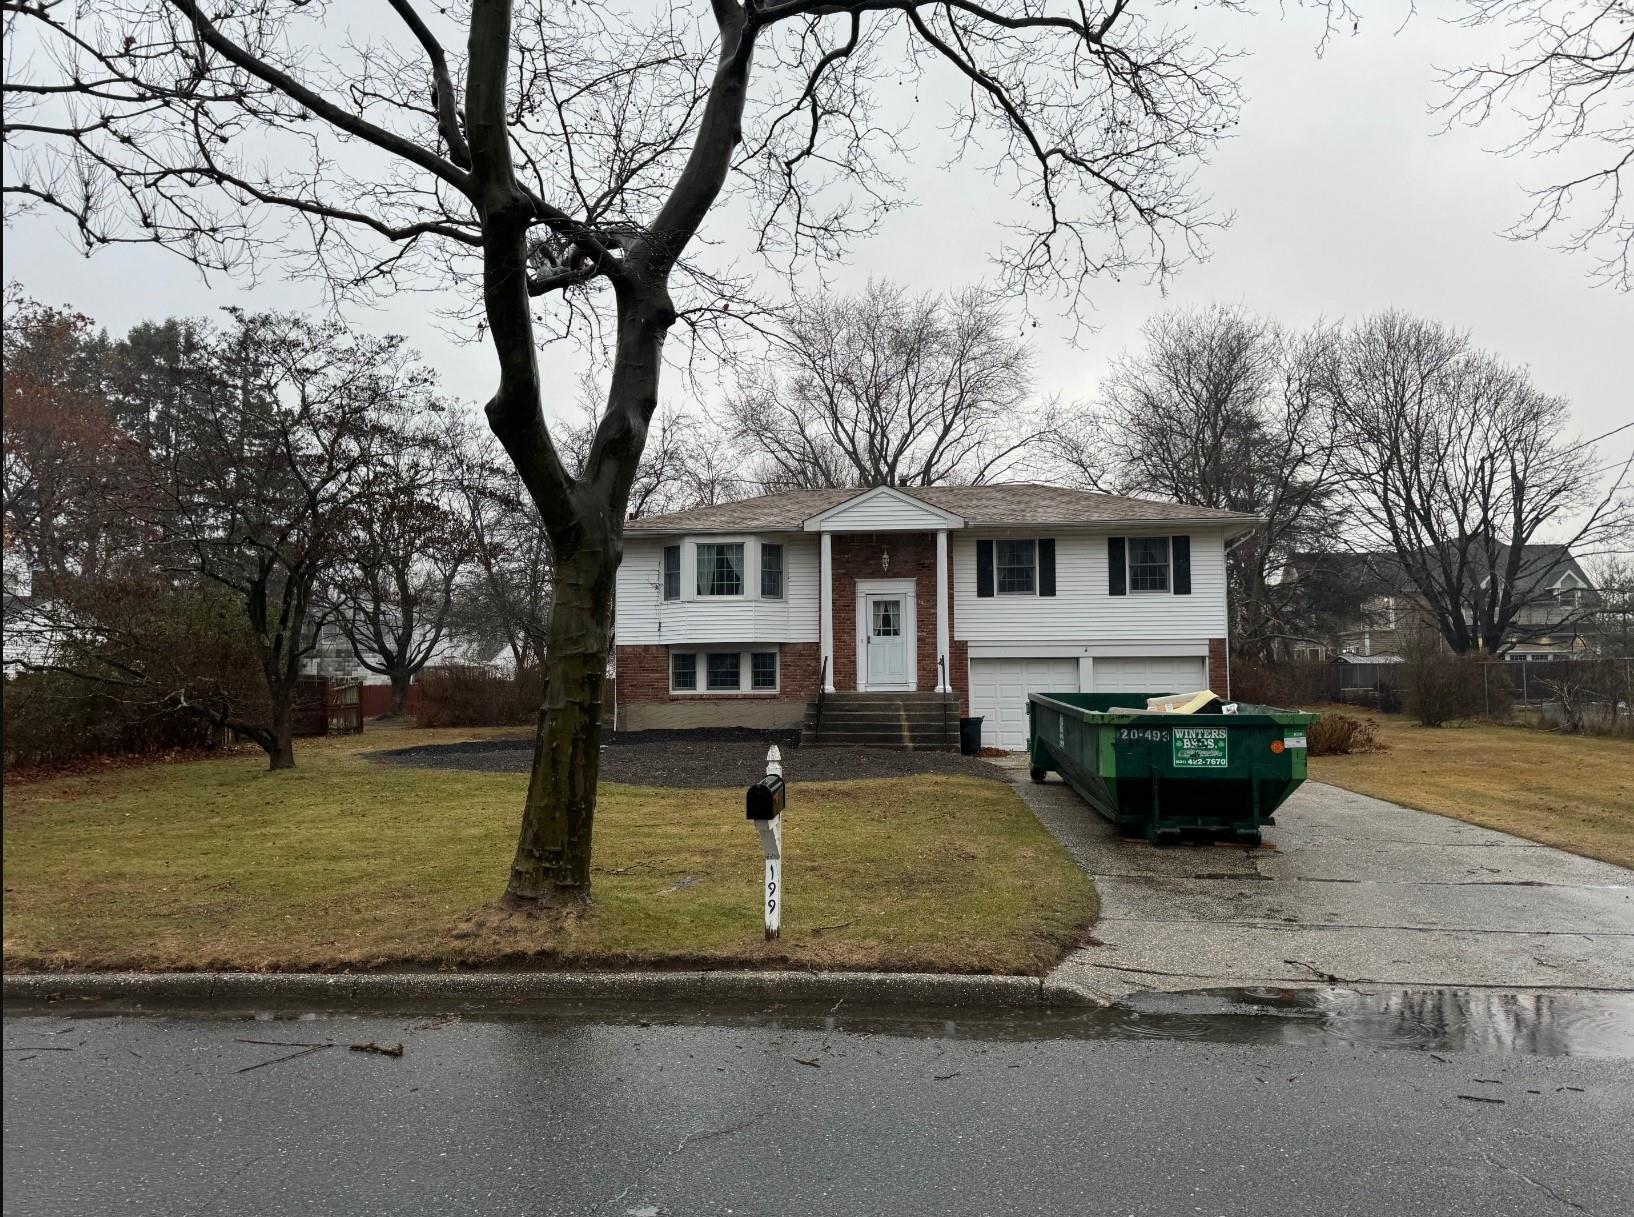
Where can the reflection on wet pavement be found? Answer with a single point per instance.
(1596, 1024)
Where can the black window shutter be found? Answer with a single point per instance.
(1046, 566)
(1180, 549)
(984, 568)
(1117, 567)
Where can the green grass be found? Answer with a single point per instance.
(1571, 791)
(348, 863)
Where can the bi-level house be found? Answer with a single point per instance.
(892, 612)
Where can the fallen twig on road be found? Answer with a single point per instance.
(290, 1057)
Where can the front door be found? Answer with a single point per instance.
(886, 647)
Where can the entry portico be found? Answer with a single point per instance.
(882, 624)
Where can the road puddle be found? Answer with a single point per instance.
(1429, 1020)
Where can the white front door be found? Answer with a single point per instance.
(887, 644)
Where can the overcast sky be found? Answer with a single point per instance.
(1346, 202)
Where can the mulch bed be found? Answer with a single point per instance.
(701, 759)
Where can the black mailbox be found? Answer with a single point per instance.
(765, 798)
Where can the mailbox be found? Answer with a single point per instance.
(765, 798)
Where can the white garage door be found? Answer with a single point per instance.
(998, 692)
(1153, 674)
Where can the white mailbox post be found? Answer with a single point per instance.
(765, 808)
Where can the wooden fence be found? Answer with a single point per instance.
(324, 706)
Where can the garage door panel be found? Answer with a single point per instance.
(1150, 674)
(999, 689)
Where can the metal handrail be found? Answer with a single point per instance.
(941, 662)
(822, 686)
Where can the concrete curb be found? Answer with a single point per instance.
(195, 991)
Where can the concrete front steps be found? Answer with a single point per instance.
(915, 721)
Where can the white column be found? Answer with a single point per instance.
(944, 651)
(825, 614)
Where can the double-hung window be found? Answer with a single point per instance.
(763, 670)
(1015, 564)
(724, 670)
(683, 671)
(1148, 564)
(720, 568)
(771, 572)
(672, 572)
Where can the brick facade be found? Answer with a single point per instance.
(893, 555)
(1219, 668)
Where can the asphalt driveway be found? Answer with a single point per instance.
(1348, 890)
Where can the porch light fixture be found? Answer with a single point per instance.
(885, 559)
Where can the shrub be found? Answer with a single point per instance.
(1294, 682)
(463, 695)
(1342, 735)
(52, 720)
(1443, 687)
(140, 666)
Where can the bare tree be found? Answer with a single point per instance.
(402, 556)
(887, 389)
(1613, 578)
(1225, 409)
(567, 161)
(1458, 467)
(1568, 80)
(503, 599)
(273, 468)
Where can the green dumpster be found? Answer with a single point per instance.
(1165, 776)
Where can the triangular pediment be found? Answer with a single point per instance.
(882, 509)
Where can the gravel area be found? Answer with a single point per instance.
(699, 759)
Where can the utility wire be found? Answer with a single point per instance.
(1586, 443)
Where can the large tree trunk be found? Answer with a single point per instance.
(400, 682)
(281, 754)
(552, 864)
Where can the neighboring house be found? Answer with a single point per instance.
(1554, 619)
(906, 604)
(332, 656)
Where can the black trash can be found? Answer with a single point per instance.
(970, 736)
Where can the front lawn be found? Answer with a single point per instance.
(1574, 792)
(349, 863)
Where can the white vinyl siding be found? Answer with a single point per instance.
(1081, 611)
(890, 512)
(644, 618)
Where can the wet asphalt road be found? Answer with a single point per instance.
(750, 1116)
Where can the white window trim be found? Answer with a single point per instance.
(1129, 564)
(680, 574)
(751, 543)
(782, 571)
(671, 671)
(997, 541)
(689, 569)
(746, 677)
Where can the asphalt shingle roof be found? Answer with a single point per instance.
(998, 504)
